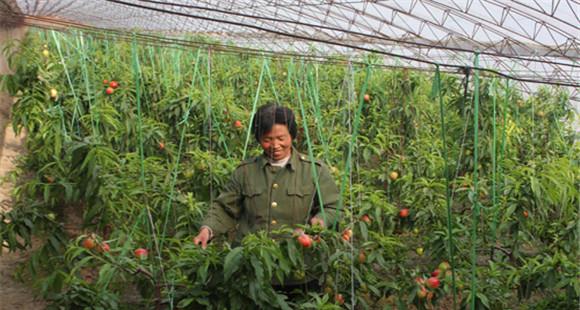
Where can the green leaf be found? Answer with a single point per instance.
(364, 231)
(535, 184)
(292, 252)
(258, 269)
(106, 274)
(281, 302)
(46, 193)
(202, 272)
(54, 243)
(232, 261)
(483, 300)
(269, 262)
(510, 210)
(185, 302)
(68, 189)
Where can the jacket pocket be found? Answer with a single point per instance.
(254, 203)
(250, 192)
(301, 200)
(299, 191)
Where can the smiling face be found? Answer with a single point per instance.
(277, 143)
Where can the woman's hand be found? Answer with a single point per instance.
(317, 221)
(202, 237)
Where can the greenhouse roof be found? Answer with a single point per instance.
(533, 41)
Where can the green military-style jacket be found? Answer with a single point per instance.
(260, 196)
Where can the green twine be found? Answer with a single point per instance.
(437, 85)
(177, 67)
(136, 73)
(136, 76)
(354, 135)
(505, 119)
(68, 78)
(475, 185)
(310, 151)
(184, 123)
(212, 116)
(494, 161)
(256, 97)
(314, 98)
(269, 74)
(81, 46)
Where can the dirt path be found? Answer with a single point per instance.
(13, 294)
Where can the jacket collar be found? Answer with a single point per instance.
(291, 164)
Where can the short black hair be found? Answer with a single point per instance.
(270, 114)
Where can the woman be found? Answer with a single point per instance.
(274, 189)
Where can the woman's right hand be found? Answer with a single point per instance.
(202, 237)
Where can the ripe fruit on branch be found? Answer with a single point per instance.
(347, 234)
(367, 97)
(113, 84)
(161, 146)
(525, 214)
(141, 253)
(109, 90)
(394, 175)
(433, 282)
(53, 93)
(339, 299)
(404, 213)
(305, 240)
(297, 232)
(422, 293)
(362, 257)
(104, 247)
(366, 218)
(435, 273)
(88, 243)
(238, 124)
